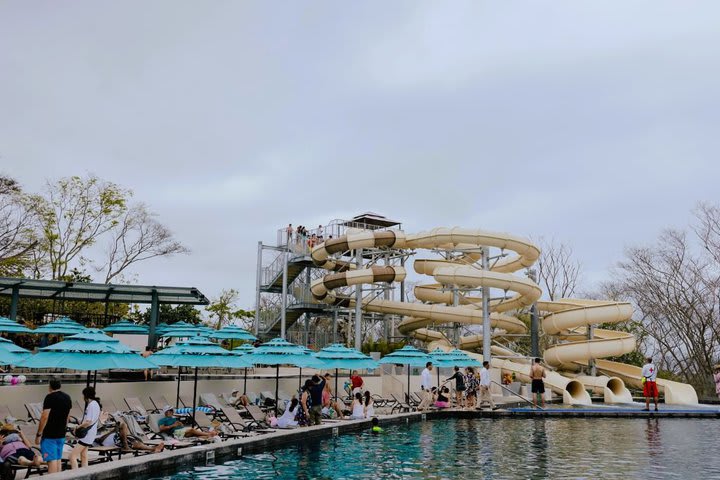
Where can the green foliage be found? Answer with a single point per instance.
(73, 213)
(381, 346)
(225, 311)
(168, 313)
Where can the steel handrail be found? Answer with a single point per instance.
(516, 394)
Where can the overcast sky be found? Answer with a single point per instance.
(595, 123)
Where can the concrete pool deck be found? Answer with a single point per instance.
(159, 464)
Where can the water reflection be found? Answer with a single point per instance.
(496, 449)
(539, 449)
(652, 432)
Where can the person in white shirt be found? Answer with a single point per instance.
(649, 374)
(287, 419)
(485, 394)
(426, 385)
(89, 421)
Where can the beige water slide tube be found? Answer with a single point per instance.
(567, 319)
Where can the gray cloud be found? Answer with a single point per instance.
(591, 123)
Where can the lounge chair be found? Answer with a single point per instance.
(170, 441)
(135, 406)
(258, 417)
(5, 412)
(211, 400)
(110, 407)
(34, 411)
(225, 430)
(240, 424)
(187, 401)
(380, 402)
(159, 402)
(136, 430)
(401, 406)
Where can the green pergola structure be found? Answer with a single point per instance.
(18, 288)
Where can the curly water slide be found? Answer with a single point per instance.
(566, 319)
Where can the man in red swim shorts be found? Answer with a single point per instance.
(649, 373)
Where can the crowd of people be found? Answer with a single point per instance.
(469, 385)
(92, 429)
(301, 235)
(316, 401)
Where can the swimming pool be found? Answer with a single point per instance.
(496, 449)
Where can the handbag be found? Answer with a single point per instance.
(80, 432)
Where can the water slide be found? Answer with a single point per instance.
(567, 320)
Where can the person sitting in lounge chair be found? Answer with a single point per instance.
(237, 399)
(173, 427)
(15, 448)
(120, 437)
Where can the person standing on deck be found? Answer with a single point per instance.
(485, 394)
(459, 386)
(649, 376)
(145, 354)
(537, 373)
(426, 385)
(316, 391)
(52, 426)
(356, 382)
(716, 377)
(289, 232)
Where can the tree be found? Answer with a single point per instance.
(167, 313)
(674, 286)
(138, 237)
(558, 272)
(17, 229)
(225, 310)
(73, 214)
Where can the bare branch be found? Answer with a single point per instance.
(138, 237)
(558, 271)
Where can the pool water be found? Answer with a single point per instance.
(494, 449)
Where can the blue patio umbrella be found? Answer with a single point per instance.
(408, 355)
(197, 352)
(452, 358)
(184, 333)
(61, 326)
(127, 327)
(244, 349)
(11, 354)
(161, 327)
(233, 332)
(90, 350)
(281, 352)
(339, 356)
(11, 326)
